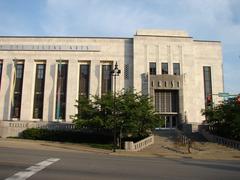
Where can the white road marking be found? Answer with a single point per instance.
(22, 175)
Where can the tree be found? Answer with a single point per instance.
(135, 113)
(224, 119)
(147, 118)
(87, 115)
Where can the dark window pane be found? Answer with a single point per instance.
(106, 79)
(41, 71)
(61, 91)
(176, 69)
(207, 82)
(175, 101)
(207, 74)
(152, 68)
(84, 80)
(174, 121)
(19, 71)
(164, 68)
(39, 91)
(17, 96)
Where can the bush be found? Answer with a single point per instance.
(224, 119)
(91, 136)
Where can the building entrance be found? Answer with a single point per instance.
(170, 121)
(167, 105)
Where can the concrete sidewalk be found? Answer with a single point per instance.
(163, 147)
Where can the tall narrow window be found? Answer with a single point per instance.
(39, 91)
(61, 90)
(17, 86)
(84, 80)
(106, 78)
(164, 68)
(0, 73)
(176, 69)
(207, 83)
(152, 68)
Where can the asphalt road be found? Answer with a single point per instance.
(47, 164)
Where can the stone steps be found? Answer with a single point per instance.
(165, 145)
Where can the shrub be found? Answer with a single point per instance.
(86, 136)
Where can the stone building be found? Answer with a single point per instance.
(41, 77)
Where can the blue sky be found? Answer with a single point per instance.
(202, 19)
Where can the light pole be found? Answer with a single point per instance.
(115, 72)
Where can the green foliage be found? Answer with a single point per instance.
(87, 115)
(135, 114)
(224, 119)
(104, 108)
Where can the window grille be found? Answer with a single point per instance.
(166, 101)
(126, 71)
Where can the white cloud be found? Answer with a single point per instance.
(205, 19)
(85, 17)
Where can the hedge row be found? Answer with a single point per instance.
(68, 136)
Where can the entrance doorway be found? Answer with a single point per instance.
(167, 105)
(170, 121)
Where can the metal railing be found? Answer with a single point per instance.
(221, 140)
(182, 139)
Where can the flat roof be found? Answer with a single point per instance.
(160, 32)
(70, 37)
(164, 36)
(92, 37)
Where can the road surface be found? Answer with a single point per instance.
(32, 164)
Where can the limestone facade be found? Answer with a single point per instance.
(133, 56)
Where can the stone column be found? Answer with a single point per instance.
(27, 90)
(49, 90)
(72, 88)
(95, 78)
(6, 89)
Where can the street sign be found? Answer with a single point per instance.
(223, 94)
